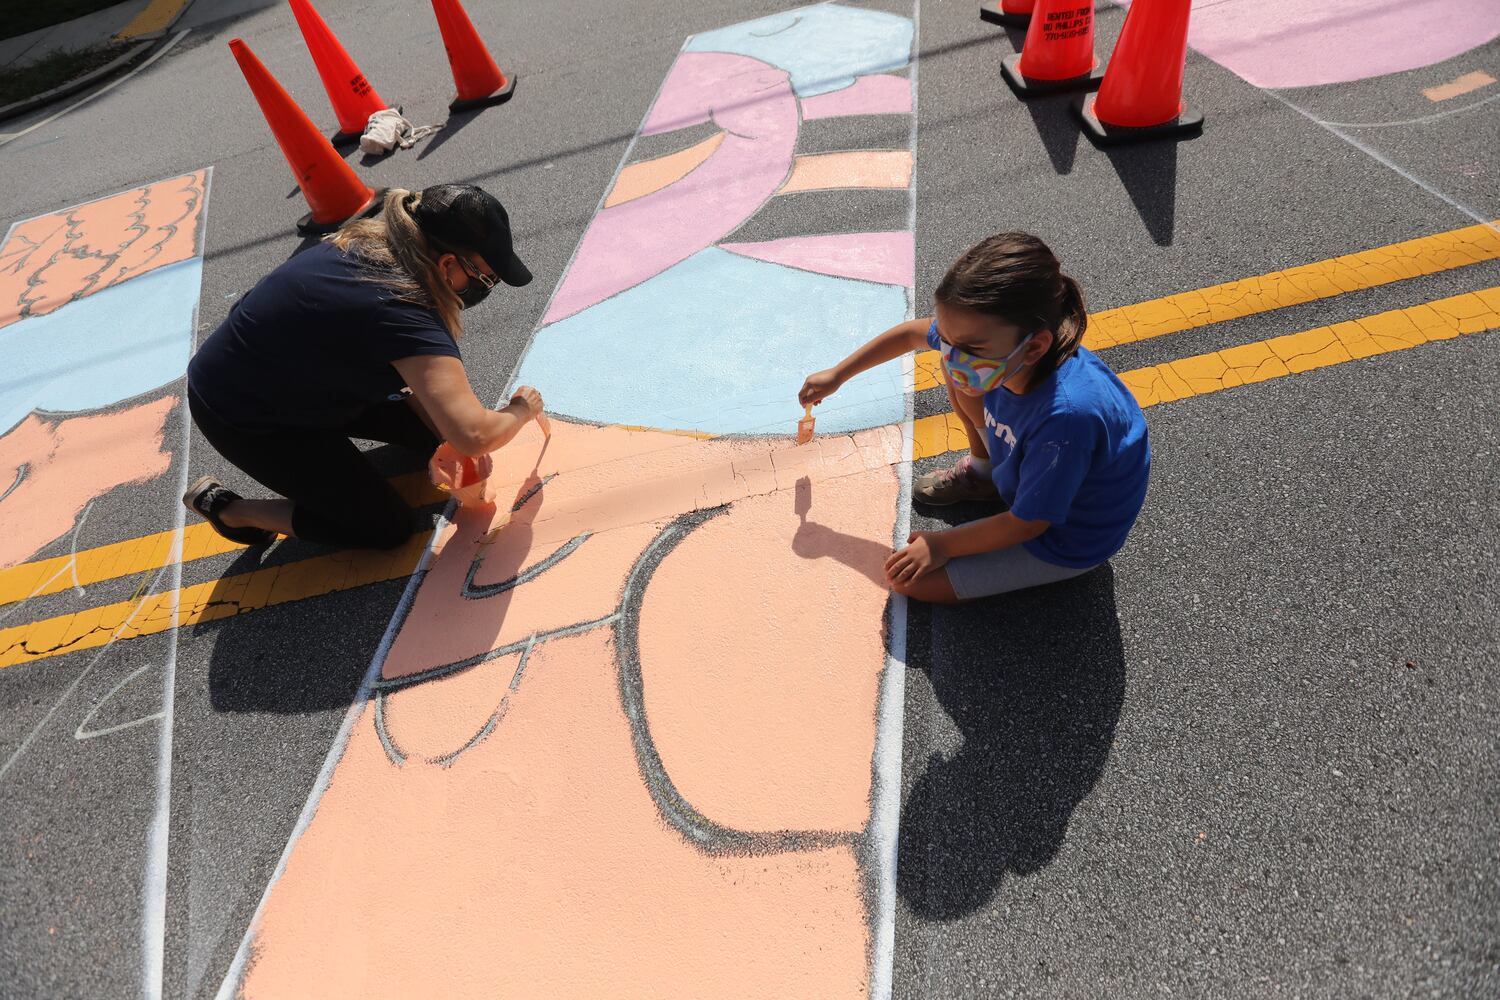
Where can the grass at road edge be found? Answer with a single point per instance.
(53, 71)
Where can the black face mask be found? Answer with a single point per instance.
(477, 290)
(474, 293)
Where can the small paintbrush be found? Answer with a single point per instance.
(805, 425)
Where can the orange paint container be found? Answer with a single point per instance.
(457, 473)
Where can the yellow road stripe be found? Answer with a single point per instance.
(157, 16)
(1278, 290)
(1444, 319)
(205, 602)
(149, 552)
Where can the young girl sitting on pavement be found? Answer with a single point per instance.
(1053, 434)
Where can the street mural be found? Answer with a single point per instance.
(624, 740)
(97, 305)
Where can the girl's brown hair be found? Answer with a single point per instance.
(402, 258)
(1016, 278)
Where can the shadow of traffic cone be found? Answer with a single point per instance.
(1059, 51)
(351, 95)
(479, 81)
(1014, 13)
(333, 192)
(1141, 96)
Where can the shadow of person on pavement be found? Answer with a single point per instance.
(1034, 682)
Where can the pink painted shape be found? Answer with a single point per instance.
(882, 94)
(627, 244)
(888, 258)
(70, 463)
(1291, 43)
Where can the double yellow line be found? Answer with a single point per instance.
(1249, 297)
(1276, 357)
(222, 598)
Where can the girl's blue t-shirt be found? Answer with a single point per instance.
(1073, 452)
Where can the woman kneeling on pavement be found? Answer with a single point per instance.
(356, 337)
(1053, 433)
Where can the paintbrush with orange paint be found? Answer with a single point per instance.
(806, 424)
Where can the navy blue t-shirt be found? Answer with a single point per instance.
(311, 346)
(1072, 451)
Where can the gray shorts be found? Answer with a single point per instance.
(1002, 571)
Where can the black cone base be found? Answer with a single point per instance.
(498, 97)
(1026, 86)
(307, 227)
(1187, 124)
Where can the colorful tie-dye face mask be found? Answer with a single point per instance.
(975, 375)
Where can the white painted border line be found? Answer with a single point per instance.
(159, 834)
(1483, 220)
(890, 720)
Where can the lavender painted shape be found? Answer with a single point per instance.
(631, 242)
(887, 258)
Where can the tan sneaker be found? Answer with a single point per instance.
(957, 484)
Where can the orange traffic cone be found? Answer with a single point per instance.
(1014, 13)
(1141, 96)
(332, 190)
(351, 95)
(478, 79)
(1059, 51)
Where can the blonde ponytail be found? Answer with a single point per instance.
(401, 258)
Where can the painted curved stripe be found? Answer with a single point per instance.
(478, 592)
(881, 94)
(699, 830)
(869, 168)
(887, 258)
(641, 179)
(637, 240)
(21, 471)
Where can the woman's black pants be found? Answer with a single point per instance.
(338, 497)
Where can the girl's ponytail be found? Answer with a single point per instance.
(1068, 330)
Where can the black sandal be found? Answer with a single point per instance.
(208, 497)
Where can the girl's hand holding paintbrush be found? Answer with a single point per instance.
(819, 386)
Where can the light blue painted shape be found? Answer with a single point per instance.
(823, 47)
(720, 344)
(103, 348)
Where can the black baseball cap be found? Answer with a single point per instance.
(467, 217)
